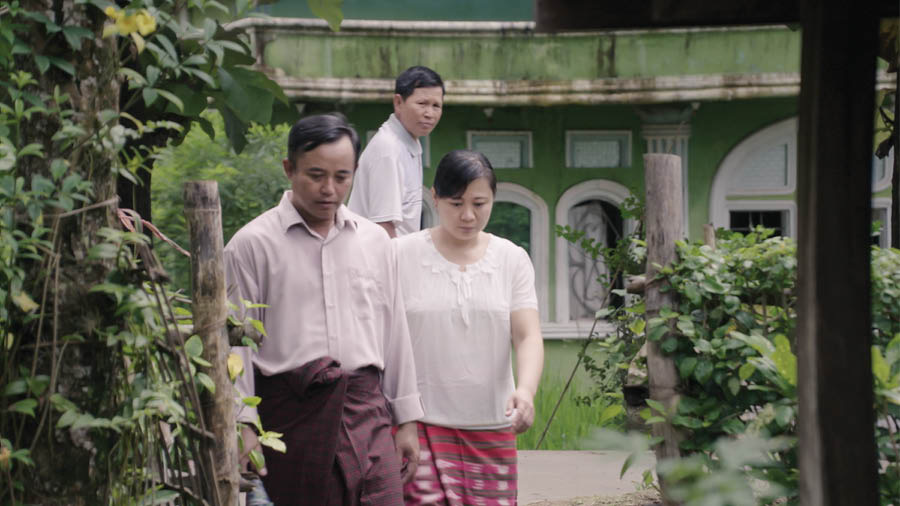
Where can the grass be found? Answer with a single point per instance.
(572, 423)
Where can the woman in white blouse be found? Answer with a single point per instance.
(470, 300)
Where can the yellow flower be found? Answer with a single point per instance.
(235, 366)
(112, 12)
(126, 24)
(145, 22)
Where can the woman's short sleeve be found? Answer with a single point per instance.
(524, 295)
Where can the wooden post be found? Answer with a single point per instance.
(204, 218)
(837, 455)
(662, 177)
(709, 235)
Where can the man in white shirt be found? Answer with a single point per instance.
(335, 371)
(388, 187)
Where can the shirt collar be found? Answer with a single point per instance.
(288, 215)
(412, 144)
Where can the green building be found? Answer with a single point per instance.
(565, 118)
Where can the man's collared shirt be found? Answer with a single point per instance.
(388, 182)
(334, 296)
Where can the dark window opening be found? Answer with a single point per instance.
(745, 221)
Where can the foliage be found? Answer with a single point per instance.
(574, 421)
(511, 221)
(249, 182)
(97, 358)
(732, 337)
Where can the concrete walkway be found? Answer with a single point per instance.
(558, 475)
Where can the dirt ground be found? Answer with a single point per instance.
(641, 498)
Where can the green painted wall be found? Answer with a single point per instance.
(449, 10)
(716, 128)
(537, 56)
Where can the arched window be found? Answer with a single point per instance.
(591, 207)
(754, 184)
(520, 213)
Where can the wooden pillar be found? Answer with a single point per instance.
(837, 454)
(204, 218)
(664, 222)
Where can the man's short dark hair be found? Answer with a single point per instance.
(313, 131)
(416, 77)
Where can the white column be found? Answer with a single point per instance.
(672, 139)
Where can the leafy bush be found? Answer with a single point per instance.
(732, 337)
(249, 182)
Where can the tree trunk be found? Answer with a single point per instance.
(204, 218)
(65, 471)
(662, 177)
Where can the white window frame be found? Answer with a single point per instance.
(528, 161)
(539, 236)
(725, 197)
(617, 135)
(602, 189)
(884, 203)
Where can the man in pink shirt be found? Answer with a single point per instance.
(336, 370)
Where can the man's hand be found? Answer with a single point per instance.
(407, 442)
(520, 410)
(251, 442)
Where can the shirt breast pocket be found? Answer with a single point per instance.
(366, 294)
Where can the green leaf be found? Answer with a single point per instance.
(15, 388)
(746, 371)
(669, 345)
(67, 419)
(257, 459)
(252, 401)
(329, 10)
(207, 382)
(25, 406)
(785, 360)
(880, 368)
(201, 361)
(656, 405)
(150, 95)
(734, 385)
(133, 76)
(174, 100)
(258, 325)
(657, 332)
(62, 65)
(271, 439)
(243, 95)
(637, 326)
(74, 34)
(686, 366)
(157, 497)
(58, 167)
(703, 371)
(610, 412)
(784, 415)
(193, 347)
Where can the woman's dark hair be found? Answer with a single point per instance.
(313, 131)
(416, 77)
(460, 167)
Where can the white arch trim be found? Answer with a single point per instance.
(540, 230)
(601, 189)
(719, 204)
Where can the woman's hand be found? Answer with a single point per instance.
(520, 410)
